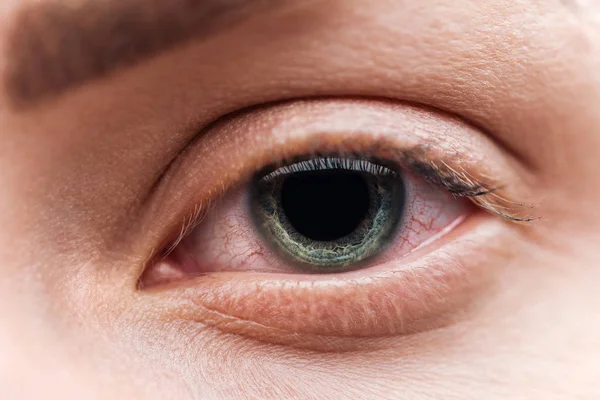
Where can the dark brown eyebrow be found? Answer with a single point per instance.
(54, 46)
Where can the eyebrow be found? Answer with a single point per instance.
(55, 46)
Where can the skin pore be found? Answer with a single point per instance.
(97, 177)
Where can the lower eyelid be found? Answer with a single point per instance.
(380, 306)
(424, 293)
(427, 290)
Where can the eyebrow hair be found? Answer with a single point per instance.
(55, 46)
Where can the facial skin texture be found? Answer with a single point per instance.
(79, 215)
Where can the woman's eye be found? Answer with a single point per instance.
(328, 214)
(317, 215)
(311, 221)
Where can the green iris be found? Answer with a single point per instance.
(328, 214)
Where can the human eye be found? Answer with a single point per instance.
(302, 222)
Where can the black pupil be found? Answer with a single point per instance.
(325, 205)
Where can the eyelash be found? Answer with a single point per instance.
(318, 162)
(460, 184)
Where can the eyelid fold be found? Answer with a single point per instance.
(443, 149)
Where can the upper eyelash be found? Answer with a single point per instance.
(462, 184)
(457, 183)
(328, 163)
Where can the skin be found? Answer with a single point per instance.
(75, 230)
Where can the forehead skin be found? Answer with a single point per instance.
(525, 72)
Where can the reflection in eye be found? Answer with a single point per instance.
(330, 213)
